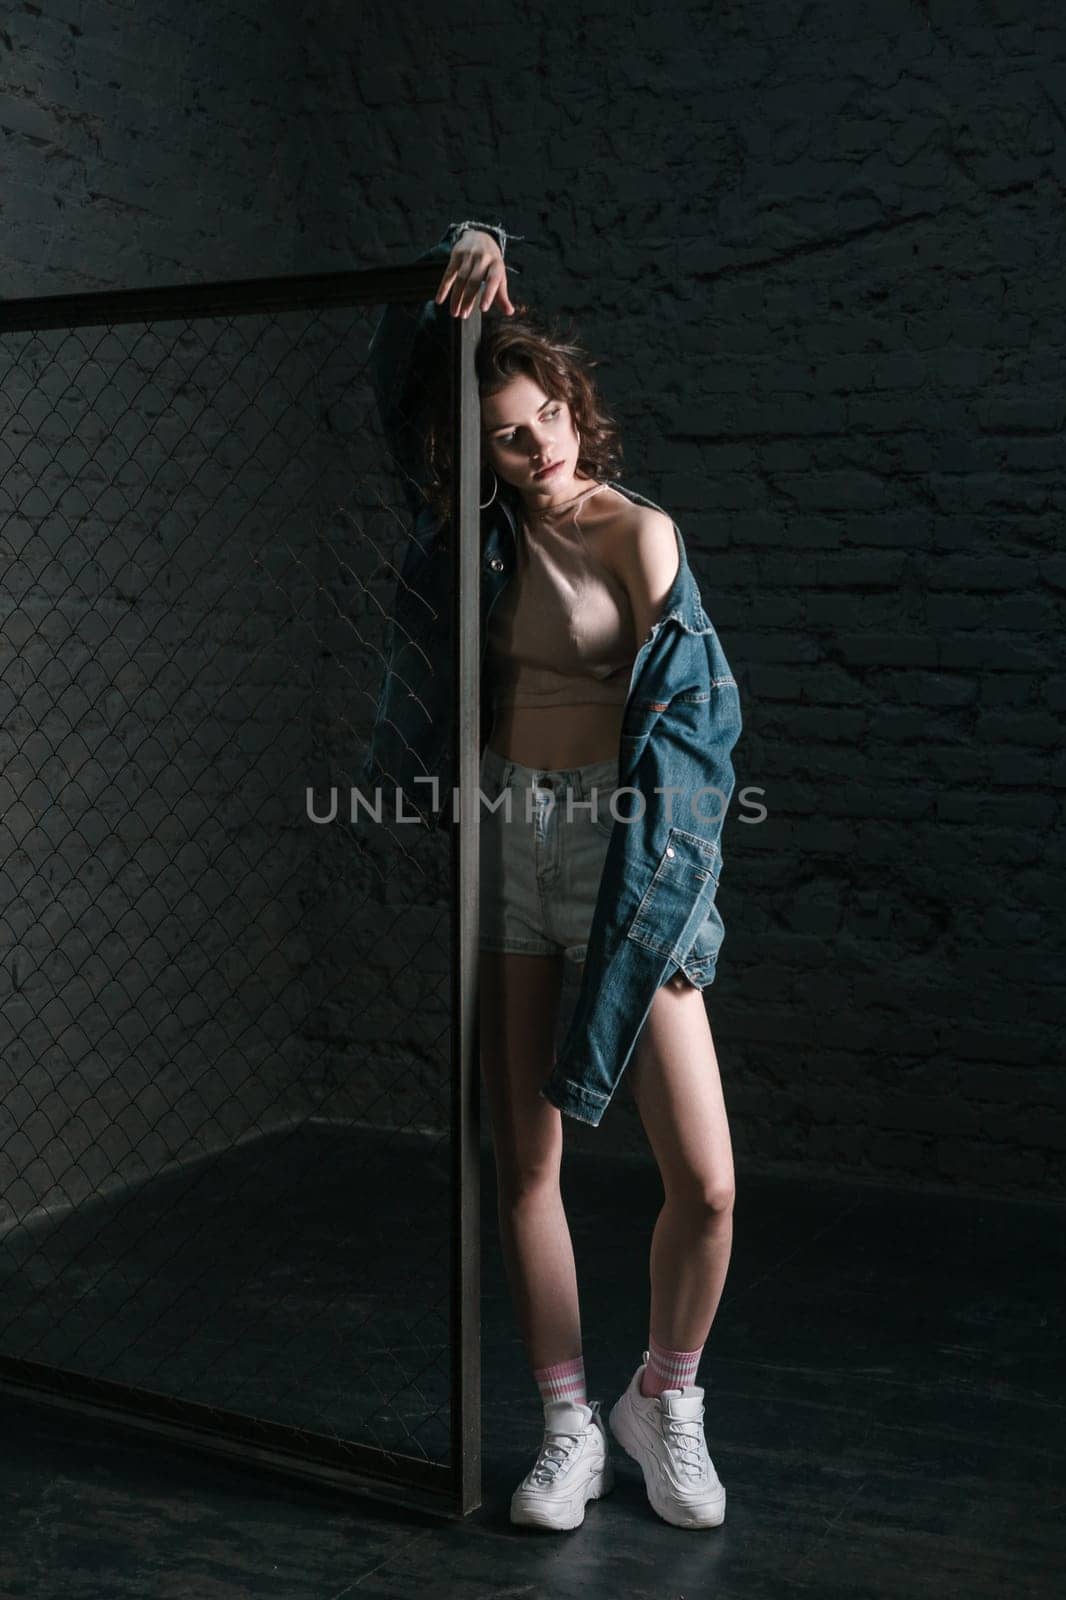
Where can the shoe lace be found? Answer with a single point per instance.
(688, 1445)
(553, 1454)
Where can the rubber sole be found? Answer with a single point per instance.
(711, 1514)
(562, 1515)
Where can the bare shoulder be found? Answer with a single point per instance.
(642, 550)
(654, 538)
(633, 538)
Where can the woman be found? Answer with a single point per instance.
(594, 567)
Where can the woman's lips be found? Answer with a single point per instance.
(545, 471)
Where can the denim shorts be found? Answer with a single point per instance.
(540, 870)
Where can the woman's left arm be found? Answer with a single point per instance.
(407, 351)
(648, 563)
(702, 732)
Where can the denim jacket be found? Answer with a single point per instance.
(655, 909)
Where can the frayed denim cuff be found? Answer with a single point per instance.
(498, 231)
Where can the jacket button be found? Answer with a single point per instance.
(496, 564)
(670, 850)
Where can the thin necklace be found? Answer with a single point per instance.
(549, 513)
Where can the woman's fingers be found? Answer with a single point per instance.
(496, 289)
(463, 301)
(463, 276)
(466, 281)
(462, 263)
(465, 293)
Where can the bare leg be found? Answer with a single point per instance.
(675, 1082)
(519, 1003)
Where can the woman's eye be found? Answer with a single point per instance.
(508, 438)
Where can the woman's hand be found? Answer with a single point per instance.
(476, 258)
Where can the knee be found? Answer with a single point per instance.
(527, 1181)
(711, 1203)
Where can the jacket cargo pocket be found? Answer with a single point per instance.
(677, 899)
(641, 715)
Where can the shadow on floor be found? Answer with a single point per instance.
(883, 1394)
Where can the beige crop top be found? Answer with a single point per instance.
(562, 633)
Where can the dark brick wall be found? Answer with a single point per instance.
(820, 251)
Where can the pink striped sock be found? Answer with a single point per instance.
(668, 1369)
(563, 1381)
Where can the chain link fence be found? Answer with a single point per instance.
(238, 1138)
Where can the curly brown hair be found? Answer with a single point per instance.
(526, 344)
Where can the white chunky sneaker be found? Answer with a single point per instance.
(664, 1435)
(572, 1467)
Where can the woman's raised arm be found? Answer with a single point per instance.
(409, 345)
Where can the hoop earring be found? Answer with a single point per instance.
(482, 504)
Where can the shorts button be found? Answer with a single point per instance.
(496, 564)
(670, 850)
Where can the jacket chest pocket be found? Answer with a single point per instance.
(640, 718)
(676, 900)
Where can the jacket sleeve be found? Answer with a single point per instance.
(667, 865)
(407, 358)
(704, 726)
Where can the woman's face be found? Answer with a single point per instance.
(524, 430)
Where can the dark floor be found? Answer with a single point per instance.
(884, 1398)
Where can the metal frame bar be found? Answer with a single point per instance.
(240, 297)
(277, 1447)
(465, 1231)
